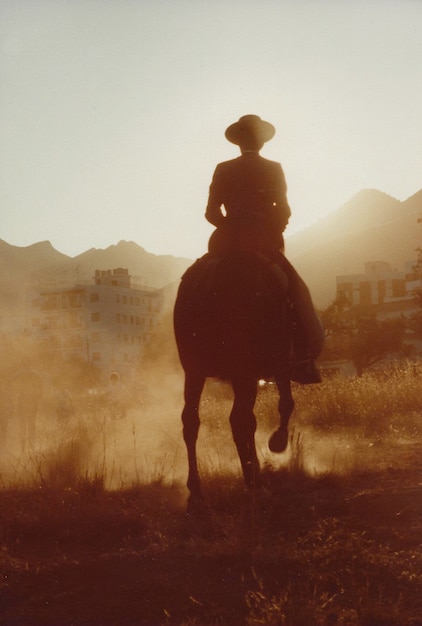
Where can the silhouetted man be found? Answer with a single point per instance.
(248, 205)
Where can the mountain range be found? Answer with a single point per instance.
(371, 226)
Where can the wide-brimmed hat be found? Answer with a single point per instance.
(250, 126)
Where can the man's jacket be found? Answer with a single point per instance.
(252, 190)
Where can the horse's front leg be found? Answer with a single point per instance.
(243, 423)
(194, 384)
(280, 438)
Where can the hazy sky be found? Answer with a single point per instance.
(113, 112)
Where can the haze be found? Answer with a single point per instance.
(113, 113)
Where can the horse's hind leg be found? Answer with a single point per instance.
(194, 384)
(243, 423)
(279, 439)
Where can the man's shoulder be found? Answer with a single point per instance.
(227, 164)
(228, 168)
(268, 162)
(247, 160)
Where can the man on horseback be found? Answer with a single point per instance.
(248, 205)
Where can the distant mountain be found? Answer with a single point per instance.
(30, 259)
(41, 261)
(18, 267)
(365, 210)
(371, 226)
(21, 267)
(155, 270)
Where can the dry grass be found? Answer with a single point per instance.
(339, 542)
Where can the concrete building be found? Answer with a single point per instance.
(107, 322)
(390, 292)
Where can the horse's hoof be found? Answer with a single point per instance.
(279, 440)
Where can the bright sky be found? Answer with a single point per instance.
(113, 112)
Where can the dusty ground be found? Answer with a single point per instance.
(327, 549)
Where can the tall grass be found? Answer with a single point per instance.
(381, 401)
(148, 445)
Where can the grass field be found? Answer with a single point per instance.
(94, 529)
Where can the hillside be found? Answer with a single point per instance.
(155, 270)
(42, 262)
(370, 227)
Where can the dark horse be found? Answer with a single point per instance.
(232, 321)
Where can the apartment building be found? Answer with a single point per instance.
(107, 321)
(391, 292)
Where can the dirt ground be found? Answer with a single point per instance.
(327, 549)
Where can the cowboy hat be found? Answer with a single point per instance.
(250, 126)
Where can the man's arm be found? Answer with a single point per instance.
(213, 211)
(282, 211)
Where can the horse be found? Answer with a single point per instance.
(232, 320)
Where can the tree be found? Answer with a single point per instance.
(355, 333)
(374, 340)
(417, 268)
(416, 318)
(338, 324)
(336, 317)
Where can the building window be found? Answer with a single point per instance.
(95, 317)
(52, 323)
(72, 320)
(50, 303)
(94, 297)
(73, 301)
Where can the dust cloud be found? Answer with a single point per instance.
(65, 422)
